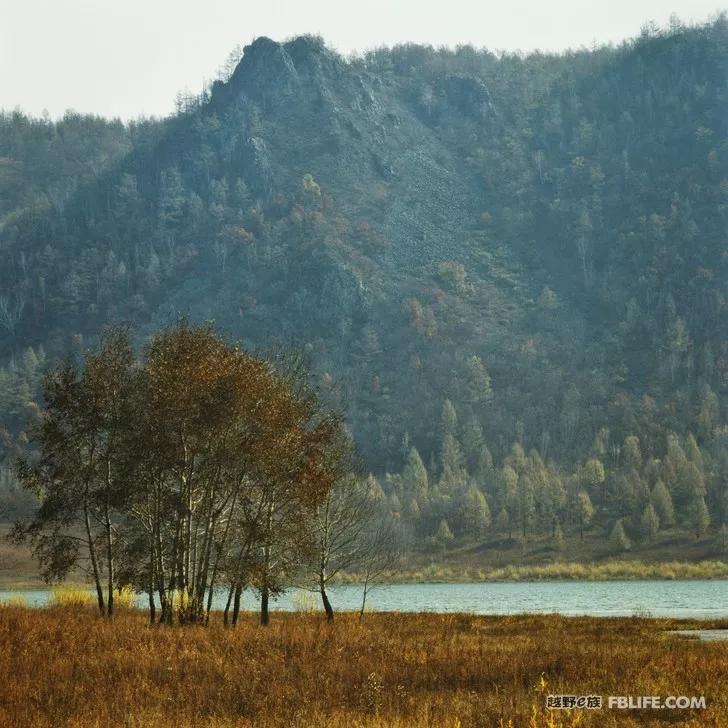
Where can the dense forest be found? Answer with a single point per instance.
(511, 272)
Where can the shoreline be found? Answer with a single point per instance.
(610, 571)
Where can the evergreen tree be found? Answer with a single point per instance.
(475, 513)
(508, 497)
(375, 490)
(526, 505)
(601, 444)
(472, 440)
(444, 536)
(641, 493)
(699, 515)
(632, 452)
(448, 420)
(692, 452)
(709, 415)
(584, 511)
(477, 381)
(619, 539)
(483, 472)
(516, 458)
(649, 523)
(413, 510)
(662, 503)
(414, 475)
(452, 466)
(592, 473)
(674, 466)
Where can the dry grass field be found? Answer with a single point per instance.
(64, 666)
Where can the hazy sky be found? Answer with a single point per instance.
(131, 57)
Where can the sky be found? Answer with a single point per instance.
(130, 58)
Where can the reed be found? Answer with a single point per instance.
(71, 596)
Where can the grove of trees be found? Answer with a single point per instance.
(196, 468)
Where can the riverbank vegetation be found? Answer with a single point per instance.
(562, 571)
(392, 670)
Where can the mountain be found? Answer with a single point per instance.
(533, 245)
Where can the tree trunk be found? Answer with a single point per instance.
(227, 604)
(152, 606)
(264, 592)
(236, 602)
(94, 561)
(218, 554)
(363, 603)
(187, 565)
(264, 614)
(165, 610)
(109, 562)
(327, 605)
(208, 607)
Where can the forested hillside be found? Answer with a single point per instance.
(510, 271)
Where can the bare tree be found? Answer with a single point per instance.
(382, 554)
(339, 526)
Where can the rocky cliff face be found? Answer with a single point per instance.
(351, 129)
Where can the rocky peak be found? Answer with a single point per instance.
(269, 71)
(265, 73)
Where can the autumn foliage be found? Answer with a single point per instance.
(194, 468)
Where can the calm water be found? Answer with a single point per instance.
(697, 599)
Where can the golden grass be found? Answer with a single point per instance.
(79, 596)
(561, 571)
(71, 596)
(68, 667)
(612, 570)
(124, 598)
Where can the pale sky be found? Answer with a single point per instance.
(129, 58)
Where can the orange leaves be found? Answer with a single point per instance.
(229, 405)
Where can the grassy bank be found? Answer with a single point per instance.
(459, 573)
(67, 667)
(605, 571)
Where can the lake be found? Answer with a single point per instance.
(694, 599)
